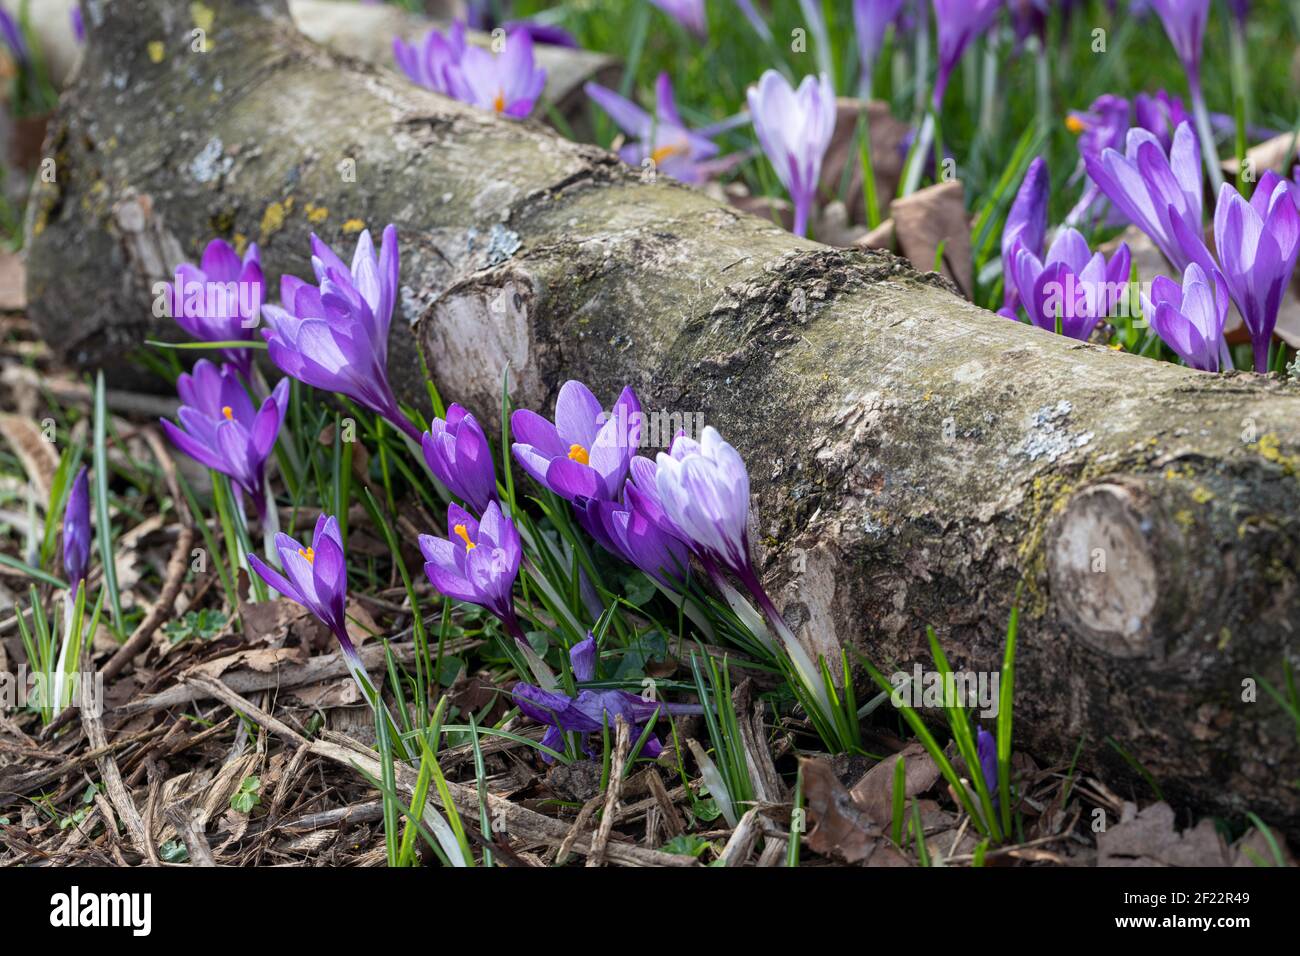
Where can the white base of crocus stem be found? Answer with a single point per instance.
(1209, 151)
(920, 150)
(69, 612)
(270, 523)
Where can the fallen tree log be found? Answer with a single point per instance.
(914, 458)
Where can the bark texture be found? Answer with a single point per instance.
(914, 458)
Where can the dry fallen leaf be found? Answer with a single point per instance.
(932, 217)
(1151, 838)
(840, 828)
(874, 793)
(39, 458)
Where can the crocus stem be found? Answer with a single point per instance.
(1043, 89)
(922, 57)
(803, 664)
(372, 697)
(1240, 70)
(801, 209)
(270, 522)
(1209, 150)
(917, 157)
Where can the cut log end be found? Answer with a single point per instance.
(1103, 572)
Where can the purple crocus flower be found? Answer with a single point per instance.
(431, 61)
(1257, 243)
(316, 577)
(958, 23)
(76, 533)
(663, 139)
(220, 299)
(637, 530)
(1102, 125)
(871, 20)
(689, 13)
(1160, 113)
(335, 337)
(1026, 225)
(1159, 193)
(585, 452)
(1190, 319)
(1240, 9)
(507, 84)
(13, 37)
(590, 711)
(459, 456)
(543, 33)
(78, 25)
(1185, 22)
(1072, 286)
(221, 429)
(477, 563)
(795, 130)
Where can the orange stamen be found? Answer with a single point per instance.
(308, 553)
(499, 104)
(579, 454)
(663, 152)
(464, 536)
(226, 410)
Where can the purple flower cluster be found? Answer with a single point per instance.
(507, 82)
(220, 427)
(1071, 287)
(334, 335)
(662, 139)
(220, 299)
(590, 711)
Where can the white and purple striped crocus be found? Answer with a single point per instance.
(590, 711)
(871, 21)
(637, 529)
(477, 563)
(1073, 288)
(703, 490)
(1158, 193)
(507, 83)
(1026, 226)
(335, 336)
(457, 452)
(1190, 318)
(795, 130)
(1257, 243)
(221, 299)
(691, 14)
(663, 139)
(220, 427)
(77, 533)
(431, 61)
(585, 452)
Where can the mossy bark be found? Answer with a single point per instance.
(914, 459)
